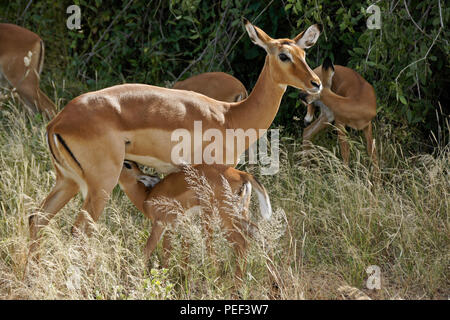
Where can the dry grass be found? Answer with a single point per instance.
(330, 223)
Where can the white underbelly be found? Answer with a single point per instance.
(158, 165)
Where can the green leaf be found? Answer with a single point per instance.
(403, 100)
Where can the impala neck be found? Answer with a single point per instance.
(260, 108)
(137, 193)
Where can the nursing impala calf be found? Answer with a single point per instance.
(217, 85)
(95, 132)
(140, 188)
(347, 99)
(21, 62)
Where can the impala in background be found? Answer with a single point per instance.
(217, 85)
(21, 63)
(347, 99)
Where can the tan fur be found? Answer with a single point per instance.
(104, 127)
(352, 101)
(16, 43)
(174, 186)
(217, 85)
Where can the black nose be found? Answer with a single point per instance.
(315, 84)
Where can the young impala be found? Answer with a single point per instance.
(92, 136)
(217, 85)
(21, 62)
(141, 188)
(347, 99)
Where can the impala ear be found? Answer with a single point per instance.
(308, 38)
(238, 97)
(257, 36)
(148, 181)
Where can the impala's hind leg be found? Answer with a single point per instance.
(370, 144)
(64, 190)
(371, 150)
(342, 138)
(99, 190)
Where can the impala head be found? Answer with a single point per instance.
(286, 57)
(131, 174)
(327, 73)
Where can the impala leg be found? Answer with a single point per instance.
(64, 190)
(240, 247)
(167, 248)
(99, 187)
(153, 239)
(93, 205)
(46, 105)
(35, 99)
(308, 134)
(370, 144)
(371, 150)
(342, 138)
(28, 91)
(314, 128)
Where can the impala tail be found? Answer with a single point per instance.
(263, 198)
(327, 72)
(64, 159)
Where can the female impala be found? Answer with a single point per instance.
(217, 85)
(347, 99)
(21, 62)
(140, 188)
(92, 136)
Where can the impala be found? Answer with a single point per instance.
(141, 188)
(217, 85)
(21, 62)
(92, 136)
(347, 99)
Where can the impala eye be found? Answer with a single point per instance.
(127, 165)
(283, 57)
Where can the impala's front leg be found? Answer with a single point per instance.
(314, 128)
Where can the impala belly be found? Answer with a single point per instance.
(160, 166)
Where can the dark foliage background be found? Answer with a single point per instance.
(158, 42)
